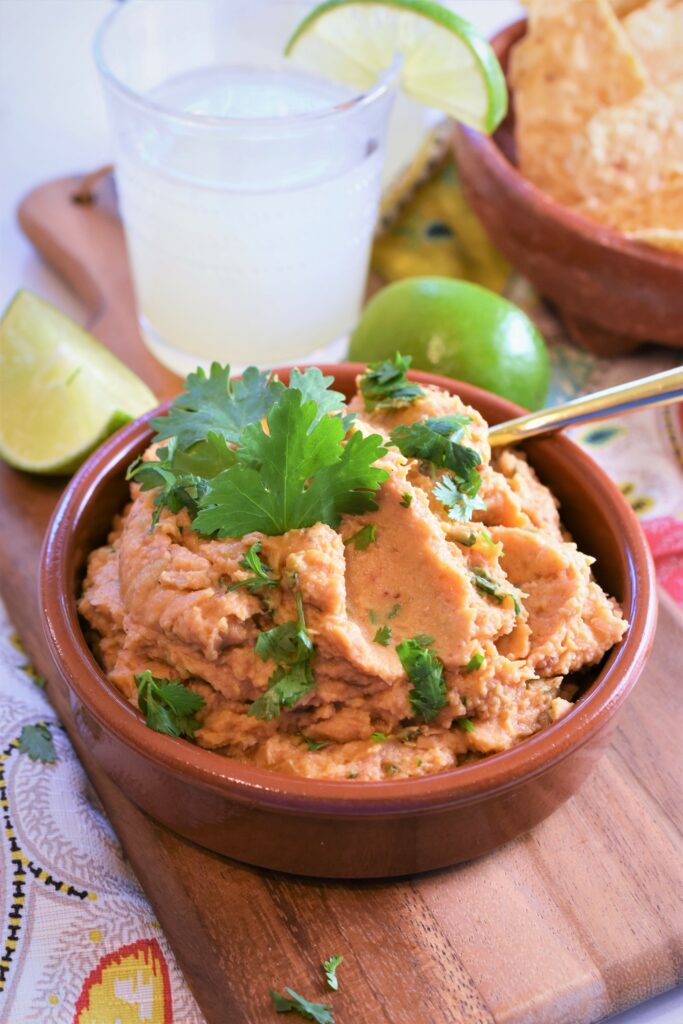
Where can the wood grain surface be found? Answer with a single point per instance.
(564, 926)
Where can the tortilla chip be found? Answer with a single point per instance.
(624, 7)
(649, 211)
(656, 32)
(663, 238)
(575, 59)
(631, 149)
(621, 7)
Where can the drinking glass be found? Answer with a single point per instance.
(248, 189)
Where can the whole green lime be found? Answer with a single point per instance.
(457, 329)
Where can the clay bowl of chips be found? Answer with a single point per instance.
(349, 828)
(539, 184)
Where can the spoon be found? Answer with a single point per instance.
(658, 389)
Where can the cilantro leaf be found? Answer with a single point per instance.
(168, 706)
(406, 500)
(489, 588)
(436, 441)
(366, 535)
(379, 737)
(459, 495)
(36, 741)
(383, 636)
(314, 386)
(330, 967)
(318, 1012)
(425, 671)
(384, 385)
(395, 609)
(216, 404)
(294, 475)
(475, 662)
(291, 648)
(261, 577)
(176, 487)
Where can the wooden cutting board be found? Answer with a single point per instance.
(566, 925)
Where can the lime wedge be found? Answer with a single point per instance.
(446, 63)
(61, 392)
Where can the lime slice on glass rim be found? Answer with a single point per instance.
(61, 392)
(445, 62)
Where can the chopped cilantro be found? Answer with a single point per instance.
(394, 611)
(487, 586)
(168, 706)
(466, 724)
(391, 769)
(459, 495)
(261, 577)
(314, 744)
(36, 741)
(425, 671)
(406, 499)
(467, 541)
(423, 639)
(291, 648)
(330, 967)
(475, 662)
(296, 473)
(419, 763)
(378, 737)
(384, 385)
(487, 538)
(364, 537)
(383, 636)
(319, 1012)
(372, 616)
(436, 440)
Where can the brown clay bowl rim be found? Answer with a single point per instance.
(491, 155)
(257, 786)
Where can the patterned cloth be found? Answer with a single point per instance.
(80, 944)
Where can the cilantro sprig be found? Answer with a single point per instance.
(291, 648)
(384, 385)
(206, 422)
(424, 670)
(262, 573)
(319, 1012)
(297, 473)
(168, 706)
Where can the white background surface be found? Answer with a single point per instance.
(52, 123)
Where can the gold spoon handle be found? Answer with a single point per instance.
(659, 389)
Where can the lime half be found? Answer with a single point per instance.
(445, 62)
(61, 392)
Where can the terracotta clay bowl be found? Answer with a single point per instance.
(611, 292)
(347, 829)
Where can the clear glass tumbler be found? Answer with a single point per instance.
(249, 190)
